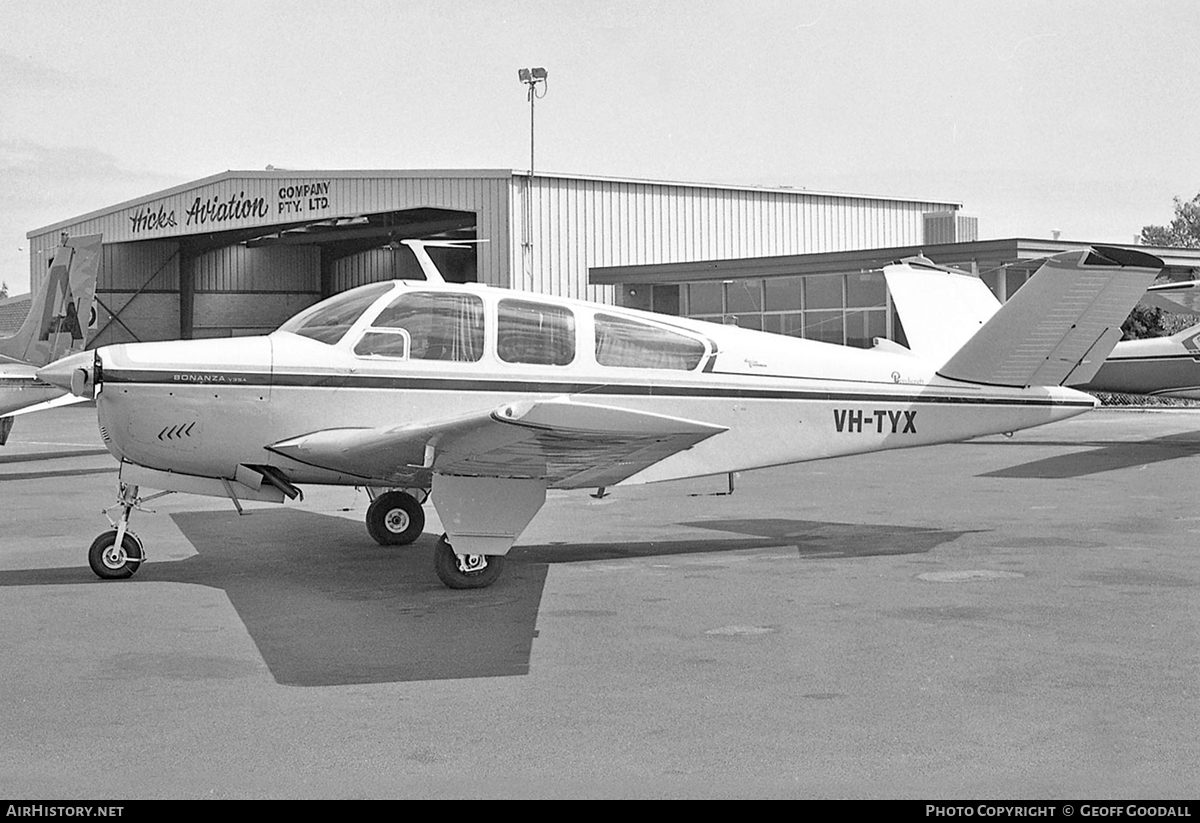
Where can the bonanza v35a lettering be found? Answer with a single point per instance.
(480, 399)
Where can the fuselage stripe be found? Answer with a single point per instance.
(232, 379)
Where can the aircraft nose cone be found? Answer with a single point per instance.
(73, 373)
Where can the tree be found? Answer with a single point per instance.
(3, 290)
(1143, 322)
(1184, 230)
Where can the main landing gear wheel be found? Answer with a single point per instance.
(395, 519)
(111, 562)
(465, 571)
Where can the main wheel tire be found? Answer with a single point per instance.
(395, 519)
(485, 568)
(111, 563)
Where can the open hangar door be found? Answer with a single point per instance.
(249, 281)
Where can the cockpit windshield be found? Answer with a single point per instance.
(329, 321)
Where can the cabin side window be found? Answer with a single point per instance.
(427, 326)
(538, 333)
(636, 345)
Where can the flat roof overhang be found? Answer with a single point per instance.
(982, 255)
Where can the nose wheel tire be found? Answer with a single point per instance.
(395, 519)
(465, 571)
(112, 562)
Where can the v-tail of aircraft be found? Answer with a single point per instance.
(61, 319)
(481, 399)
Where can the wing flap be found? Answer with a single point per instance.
(566, 444)
(1060, 325)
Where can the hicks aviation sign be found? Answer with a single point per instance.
(289, 200)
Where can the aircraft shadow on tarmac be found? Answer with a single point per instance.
(327, 606)
(1104, 457)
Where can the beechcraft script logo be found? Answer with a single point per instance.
(880, 421)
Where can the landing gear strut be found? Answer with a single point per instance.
(465, 571)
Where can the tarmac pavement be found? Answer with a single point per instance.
(1010, 618)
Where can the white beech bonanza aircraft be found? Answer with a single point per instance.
(483, 398)
(60, 319)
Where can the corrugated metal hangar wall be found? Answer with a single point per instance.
(241, 251)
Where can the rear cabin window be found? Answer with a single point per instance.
(636, 345)
(329, 321)
(538, 333)
(427, 326)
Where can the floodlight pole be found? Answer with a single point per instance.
(530, 77)
(532, 97)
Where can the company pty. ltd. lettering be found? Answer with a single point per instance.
(881, 421)
(304, 197)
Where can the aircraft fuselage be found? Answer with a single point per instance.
(204, 407)
(481, 399)
(1166, 366)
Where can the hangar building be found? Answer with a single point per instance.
(838, 297)
(241, 251)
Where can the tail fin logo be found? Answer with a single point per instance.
(53, 328)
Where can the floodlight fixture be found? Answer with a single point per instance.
(531, 78)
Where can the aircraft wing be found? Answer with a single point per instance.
(63, 400)
(1177, 298)
(1058, 328)
(568, 445)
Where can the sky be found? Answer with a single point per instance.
(1043, 116)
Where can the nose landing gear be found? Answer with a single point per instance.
(113, 561)
(118, 552)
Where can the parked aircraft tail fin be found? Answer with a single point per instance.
(1061, 325)
(61, 315)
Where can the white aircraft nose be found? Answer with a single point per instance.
(73, 373)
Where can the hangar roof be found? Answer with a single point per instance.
(300, 174)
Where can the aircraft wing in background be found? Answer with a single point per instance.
(1177, 298)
